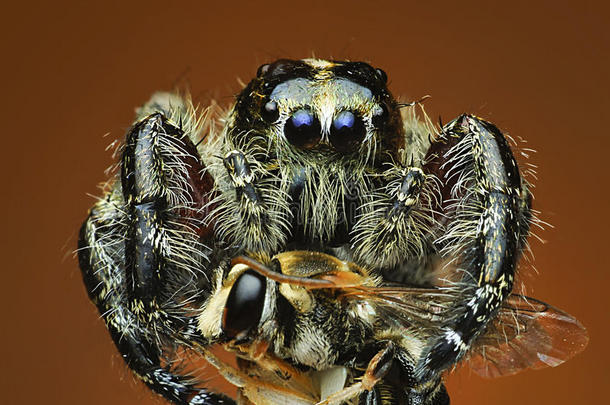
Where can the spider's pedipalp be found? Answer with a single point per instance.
(393, 229)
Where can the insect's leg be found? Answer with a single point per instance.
(375, 371)
(486, 209)
(400, 386)
(142, 256)
(388, 378)
(269, 389)
(391, 229)
(252, 213)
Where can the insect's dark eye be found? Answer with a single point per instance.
(347, 132)
(244, 305)
(270, 112)
(303, 129)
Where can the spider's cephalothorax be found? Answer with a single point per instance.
(315, 157)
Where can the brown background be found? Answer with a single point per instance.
(73, 73)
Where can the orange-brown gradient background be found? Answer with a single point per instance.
(73, 72)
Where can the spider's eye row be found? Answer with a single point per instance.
(303, 129)
(244, 305)
(347, 132)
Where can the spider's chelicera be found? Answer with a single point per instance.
(341, 248)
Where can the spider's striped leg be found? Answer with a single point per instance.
(143, 256)
(487, 208)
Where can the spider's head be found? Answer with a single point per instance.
(318, 107)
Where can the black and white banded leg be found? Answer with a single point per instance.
(139, 249)
(486, 204)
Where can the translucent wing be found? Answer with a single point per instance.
(527, 333)
(422, 308)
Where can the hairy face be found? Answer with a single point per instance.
(319, 107)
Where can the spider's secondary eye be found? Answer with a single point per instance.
(380, 116)
(270, 113)
(381, 75)
(347, 131)
(245, 304)
(262, 70)
(303, 129)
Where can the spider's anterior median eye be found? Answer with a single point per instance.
(347, 131)
(244, 305)
(303, 129)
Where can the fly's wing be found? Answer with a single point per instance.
(418, 313)
(527, 334)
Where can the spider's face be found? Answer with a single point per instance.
(318, 107)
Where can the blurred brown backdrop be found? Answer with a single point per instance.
(73, 72)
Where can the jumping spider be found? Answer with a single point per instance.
(318, 175)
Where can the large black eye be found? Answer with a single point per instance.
(303, 129)
(245, 304)
(347, 132)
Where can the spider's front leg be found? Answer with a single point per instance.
(486, 205)
(143, 255)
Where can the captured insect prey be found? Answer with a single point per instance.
(341, 248)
